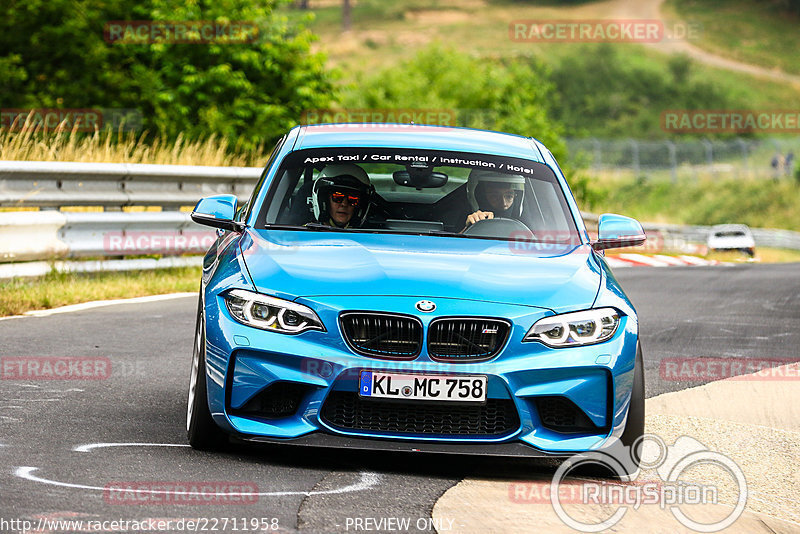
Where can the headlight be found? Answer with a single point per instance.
(576, 328)
(270, 313)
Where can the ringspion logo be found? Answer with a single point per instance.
(673, 490)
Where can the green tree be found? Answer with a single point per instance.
(503, 95)
(54, 55)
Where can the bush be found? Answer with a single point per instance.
(604, 94)
(504, 95)
(53, 55)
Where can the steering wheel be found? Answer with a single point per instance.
(499, 227)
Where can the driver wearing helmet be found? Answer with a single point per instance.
(494, 194)
(341, 196)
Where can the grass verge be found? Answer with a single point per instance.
(37, 144)
(387, 31)
(761, 33)
(757, 203)
(60, 289)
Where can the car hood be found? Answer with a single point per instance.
(292, 264)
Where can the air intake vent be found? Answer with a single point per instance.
(280, 399)
(381, 335)
(466, 339)
(347, 411)
(562, 415)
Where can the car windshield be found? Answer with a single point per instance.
(730, 233)
(420, 192)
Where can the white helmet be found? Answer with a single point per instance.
(347, 176)
(479, 177)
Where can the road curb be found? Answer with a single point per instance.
(752, 419)
(656, 260)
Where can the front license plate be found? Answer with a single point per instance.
(423, 387)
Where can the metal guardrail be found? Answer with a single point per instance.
(717, 158)
(53, 235)
(675, 234)
(776, 238)
(46, 184)
(40, 268)
(32, 235)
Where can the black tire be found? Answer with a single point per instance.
(201, 430)
(634, 424)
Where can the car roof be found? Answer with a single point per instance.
(417, 136)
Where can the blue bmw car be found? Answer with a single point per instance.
(413, 288)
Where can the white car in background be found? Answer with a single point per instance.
(731, 237)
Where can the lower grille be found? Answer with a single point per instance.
(397, 337)
(347, 411)
(466, 339)
(562, 415)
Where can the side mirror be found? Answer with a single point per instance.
(217, 211)
(614, 231)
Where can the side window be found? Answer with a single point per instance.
(244, 214)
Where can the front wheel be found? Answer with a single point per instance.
(634, 425)
(202, 431)
(620, 458)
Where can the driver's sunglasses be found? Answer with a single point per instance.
(338, 198)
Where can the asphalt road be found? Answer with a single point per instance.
(748, 311)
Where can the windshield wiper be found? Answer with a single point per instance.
(315, 226)
(444, 233)
(309, 226)
(320, 226)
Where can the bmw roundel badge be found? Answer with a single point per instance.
(426, 306)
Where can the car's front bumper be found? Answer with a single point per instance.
(510, 449)
(243, 361)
